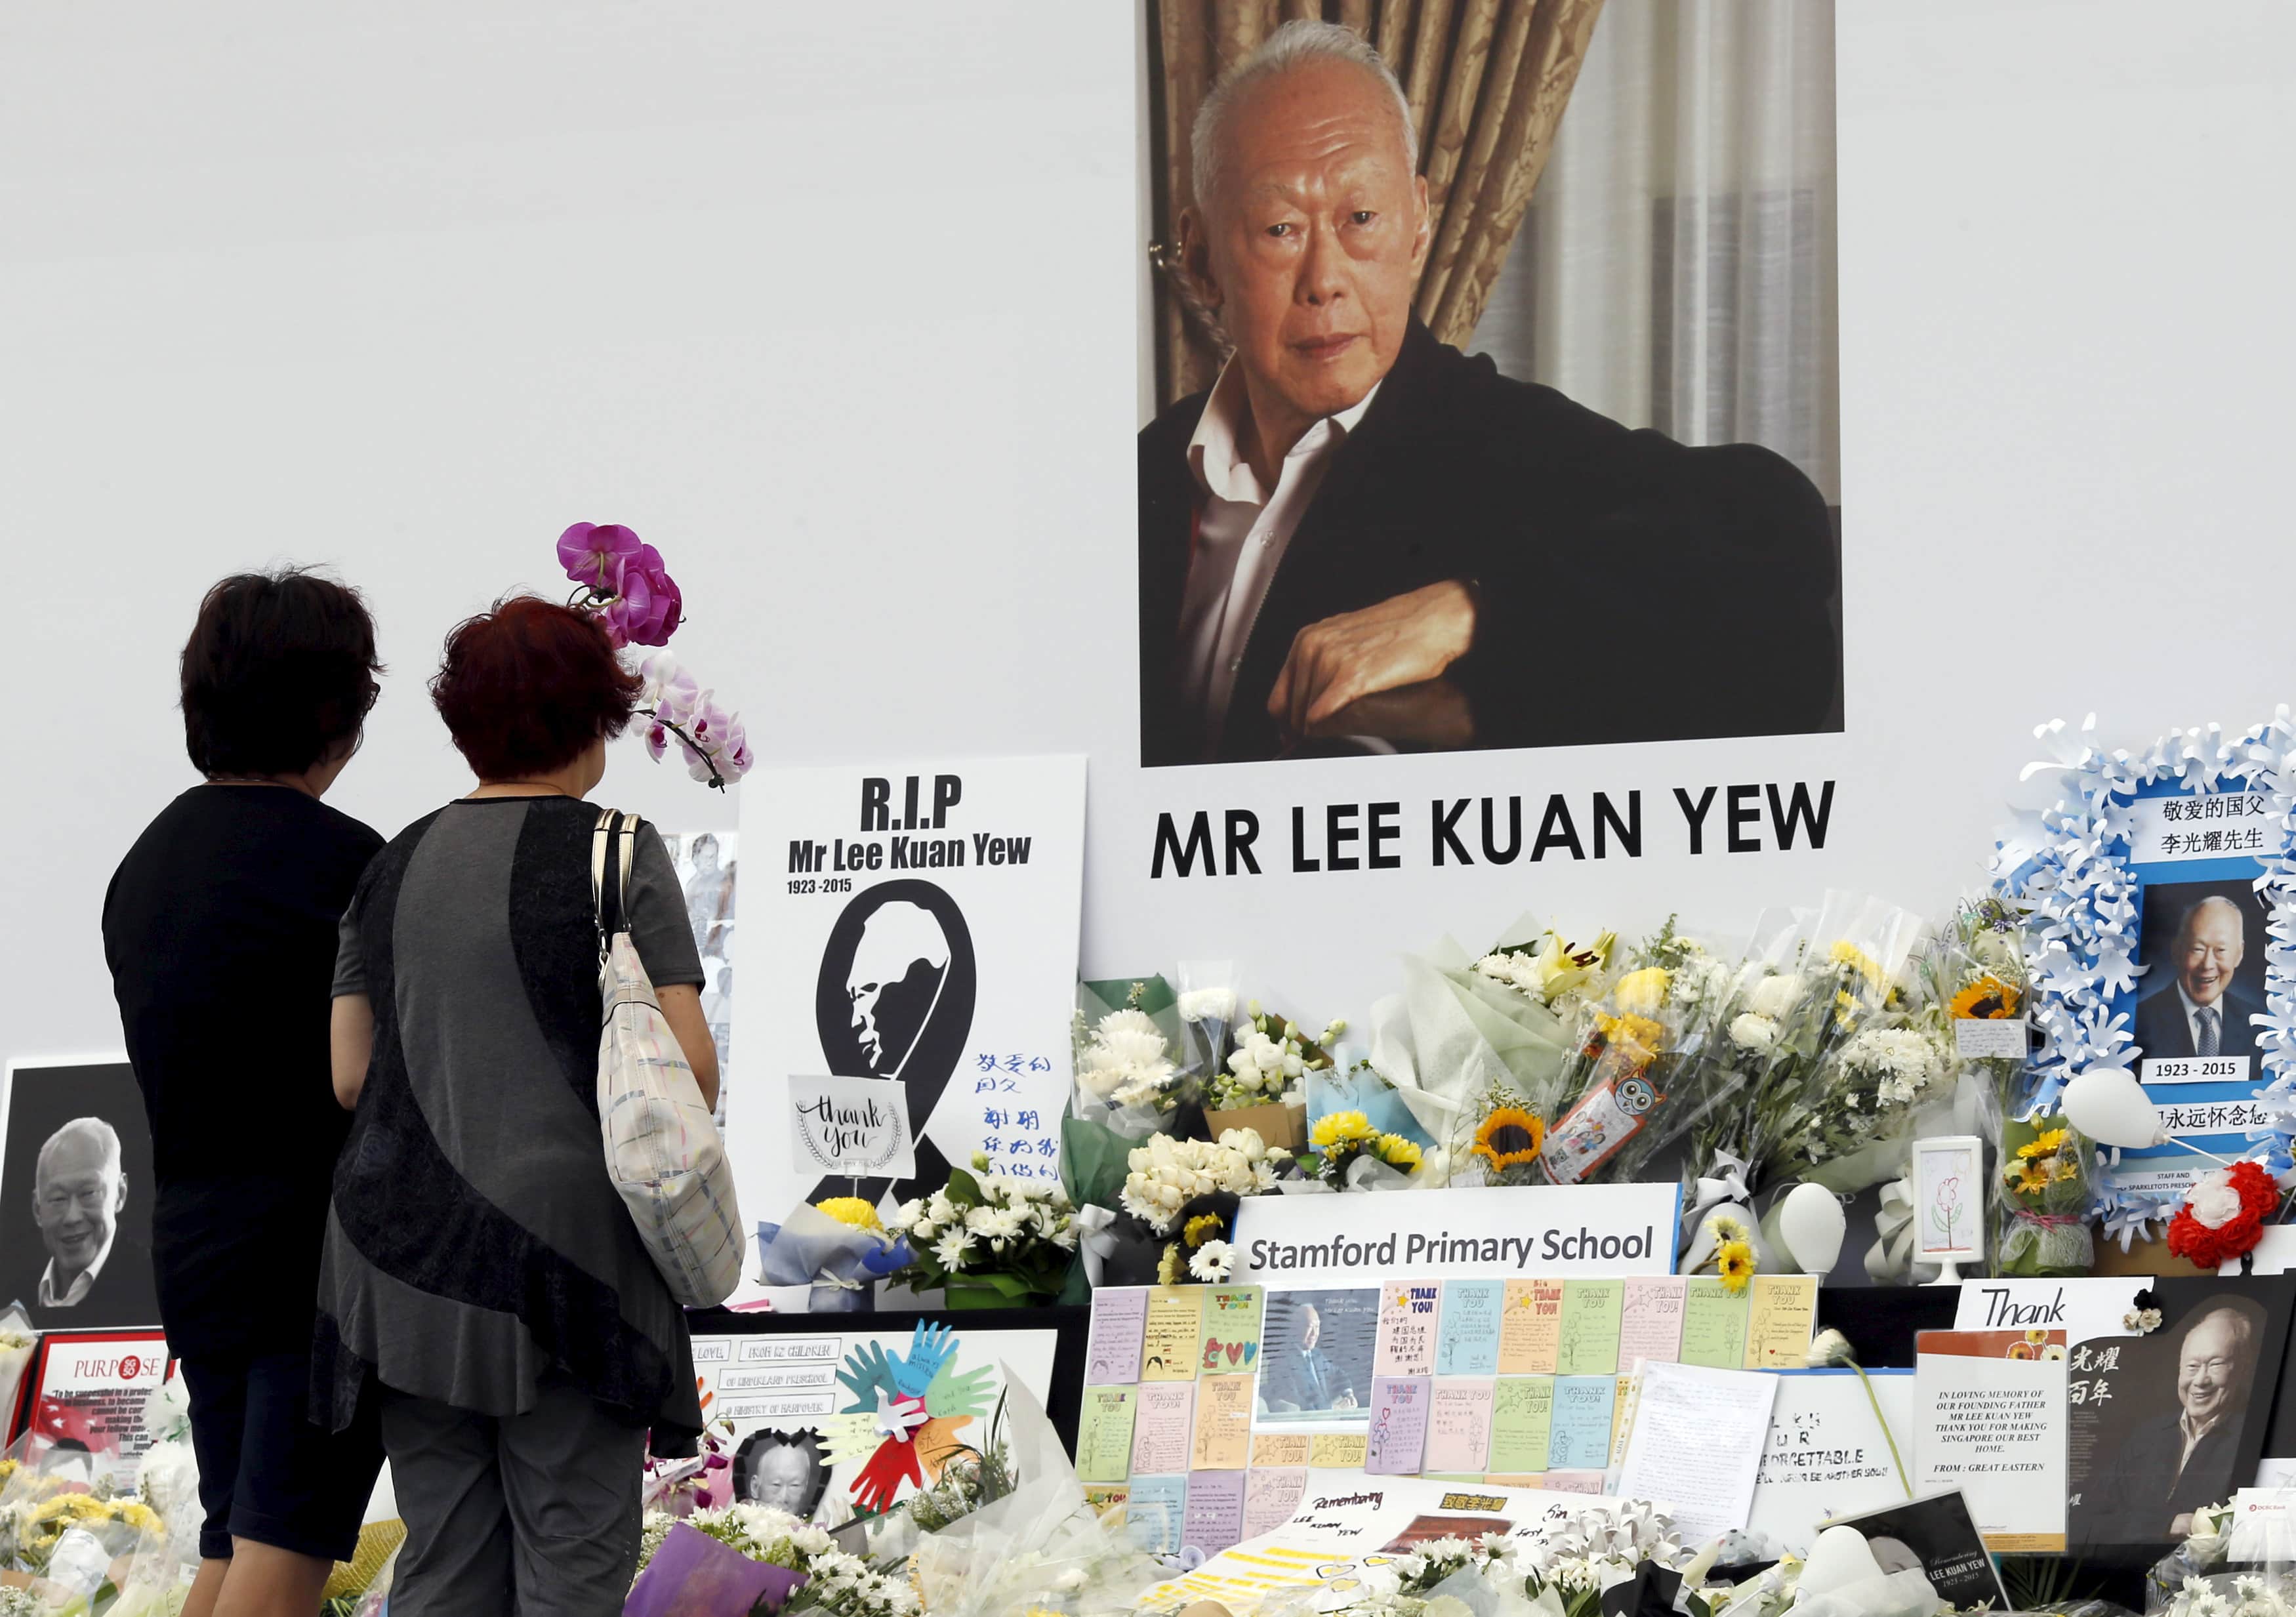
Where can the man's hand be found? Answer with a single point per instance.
(1403, 640)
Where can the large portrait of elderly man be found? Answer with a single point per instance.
(75, 1198)
(1494, 383)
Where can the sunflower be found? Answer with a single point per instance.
(1203, 1227)
(1341, 1128)
(855, 1210)
(1734, 1262)
(1509, 1137)
(2043, 1145)
(1987, 999)
(1397, 1151)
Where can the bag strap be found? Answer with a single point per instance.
(613, 841)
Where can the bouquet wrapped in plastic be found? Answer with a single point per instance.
(1039, 1546)
(17, 1340)
(2044, 1182)
(1179, 1201)
(1142, 1054)
(80, 1550)
(1264, 1086)
(1650, 1023)
(1470, 1033)
(838, 1247)
(745, 1558)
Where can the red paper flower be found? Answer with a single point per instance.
(2223, 1215)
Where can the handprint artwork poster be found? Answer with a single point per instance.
(834, 1424)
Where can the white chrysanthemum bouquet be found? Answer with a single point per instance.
(987, 1240)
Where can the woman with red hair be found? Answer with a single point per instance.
(481, 1278)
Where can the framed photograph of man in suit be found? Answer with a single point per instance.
(2197, 1004)
(1456, 397)
(2198, 1008)
(2165, 1423)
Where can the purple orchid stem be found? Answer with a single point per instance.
(717, 781)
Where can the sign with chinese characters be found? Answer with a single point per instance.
(914, 927)
(2209, 826)
(2202, 977)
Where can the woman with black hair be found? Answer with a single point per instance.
(219, 928)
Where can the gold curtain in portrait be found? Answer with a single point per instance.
(1487, 80)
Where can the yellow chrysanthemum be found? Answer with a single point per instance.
(1846, 953)
(1397, 1151)
(2032, 1177)
(1509, 1137)
(2044, 1144)
(1202, 1228)
(1987, 999)
(1642, 993)
(2068, 1167)
(850, 1209)
(1168, 1266)
(1734, 1262)
(1637, 1037)
(1341, 1128)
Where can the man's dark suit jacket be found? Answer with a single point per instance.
(1629, 588)
(2142, 1492)
(1305, 1381)
(2161, 1028)
(125, 1294)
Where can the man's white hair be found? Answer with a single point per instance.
(105, 1137)
(1298, 43)
(2192, 920)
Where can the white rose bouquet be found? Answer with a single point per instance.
(1263, 1087)
(1168, 1174)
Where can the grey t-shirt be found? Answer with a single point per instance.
(475, 1246)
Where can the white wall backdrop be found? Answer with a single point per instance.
(839, 311)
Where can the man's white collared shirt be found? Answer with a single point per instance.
(1242, 531)
(2192, 1434)
(76, 1292)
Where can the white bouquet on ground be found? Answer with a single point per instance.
(1038, 1548)
(1560, 1570)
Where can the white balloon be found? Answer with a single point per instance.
(2108, 1105)
(1811, 1224)
(1839, 1557)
